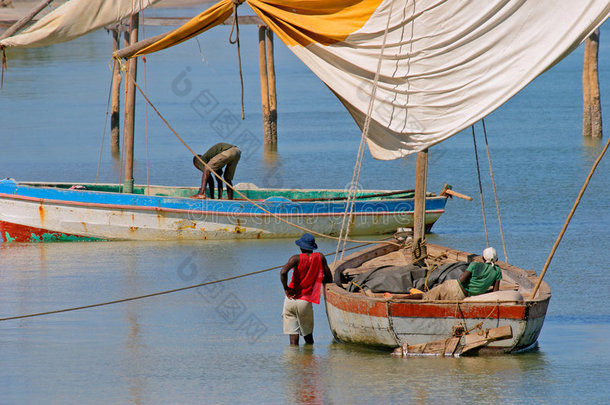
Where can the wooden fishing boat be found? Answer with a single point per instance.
(65, 211)
(390, 320)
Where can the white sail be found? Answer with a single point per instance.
(74, 19)
(445, 65)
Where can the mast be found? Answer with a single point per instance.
(419, 209)
(130, 106)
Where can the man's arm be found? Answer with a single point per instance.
(328, 276)
(496, 286)
(292, 263)
(205, 181)
(465, 276)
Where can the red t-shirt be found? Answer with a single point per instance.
(307, 278)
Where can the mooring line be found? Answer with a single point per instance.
(101, 304)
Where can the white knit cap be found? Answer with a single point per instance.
(490, 255)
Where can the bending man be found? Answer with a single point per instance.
(222, 155)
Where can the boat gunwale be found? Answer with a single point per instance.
(244, 187)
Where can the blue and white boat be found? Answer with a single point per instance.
(31, 212)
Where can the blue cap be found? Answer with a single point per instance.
(307, 242)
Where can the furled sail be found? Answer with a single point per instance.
(74, 19)
(445, 64)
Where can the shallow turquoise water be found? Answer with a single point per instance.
(225, 344)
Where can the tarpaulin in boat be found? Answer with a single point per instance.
(74, 19)
(400, 279)
(444, 64)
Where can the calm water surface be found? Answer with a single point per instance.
(224, 343)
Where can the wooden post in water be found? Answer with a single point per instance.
(115, 110)
(419, 209)
(592, 109)
(130, 106)
(262, 60)
(272, 94)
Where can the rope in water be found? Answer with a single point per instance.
(156, 294)
(143, 93)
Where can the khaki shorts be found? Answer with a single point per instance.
(450, 290)
(298, 317)
(229, 158)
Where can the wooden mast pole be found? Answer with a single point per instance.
(592, 109)
(419, 209)
(115, 109)
(130, 106)
(262, 59)
(272, 93)
(22, 22)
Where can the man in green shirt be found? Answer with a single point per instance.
(476, 280)
(222, 155)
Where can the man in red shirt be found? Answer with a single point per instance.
(309, 271)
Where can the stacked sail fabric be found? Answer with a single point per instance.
(440, 65)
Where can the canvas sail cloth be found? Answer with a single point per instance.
(445, 65)
(74, 19)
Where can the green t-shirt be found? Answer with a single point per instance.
(483, 276)
(215, 150)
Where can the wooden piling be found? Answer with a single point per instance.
(592, 109)
(271, 86)
(130, 104)
(262, 59)
(115, 110)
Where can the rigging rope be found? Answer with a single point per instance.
(476, 154)
(493, 183)
(99, 159)
(235, 26)
(569, 218)
(156, 294)
(239, 193)
(349, 207)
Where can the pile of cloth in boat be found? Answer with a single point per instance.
(400, 279)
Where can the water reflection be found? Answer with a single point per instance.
(303, 378)
(363, 373)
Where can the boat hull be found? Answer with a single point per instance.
(32, 214)
(389, 322)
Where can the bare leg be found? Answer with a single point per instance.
(229, 190)
(294, 339)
